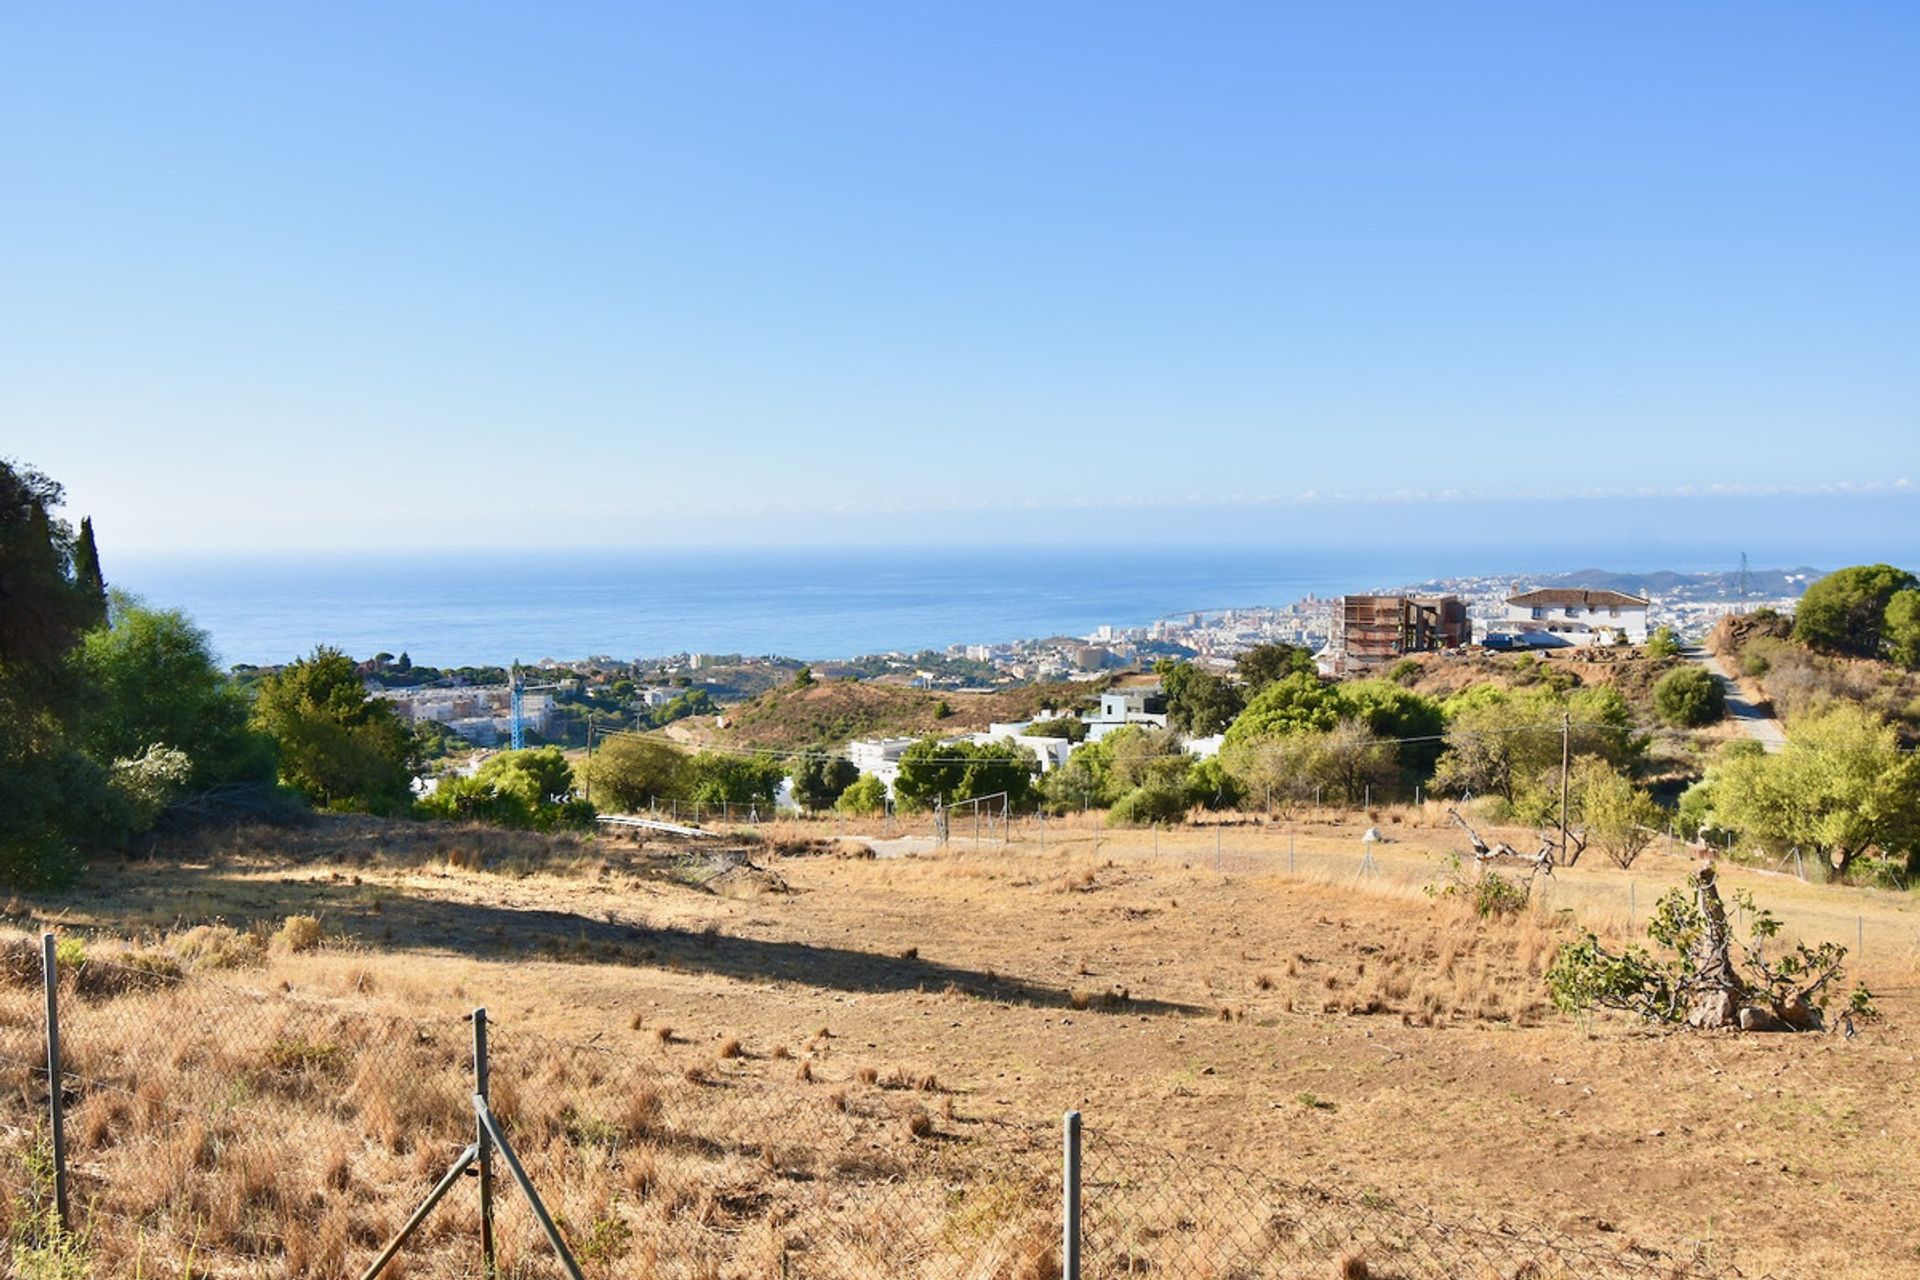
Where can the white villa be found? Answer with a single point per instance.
(1555, 617)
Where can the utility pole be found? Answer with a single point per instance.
(1566, 755)
(587, 776)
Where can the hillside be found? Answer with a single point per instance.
(1629, 671)
(1792, 680)
(832, 712)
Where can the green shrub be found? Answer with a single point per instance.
(866, 795)
(1150, 802)
(1689, 697)
(1662, 643)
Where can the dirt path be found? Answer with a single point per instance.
(1757, 724)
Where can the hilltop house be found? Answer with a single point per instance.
(1556, 617)
(1142, 705)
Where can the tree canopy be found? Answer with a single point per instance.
(1840, 787)
(53, 796)
(1198, 701)
(155, 681)
(1263, 664)
(1846, 611)
(338, 747)
(933, 772)
(631, 771)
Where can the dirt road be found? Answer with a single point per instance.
(1756, 723)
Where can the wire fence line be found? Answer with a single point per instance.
(214, 1131)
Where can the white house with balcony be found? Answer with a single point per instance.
(1560, 617)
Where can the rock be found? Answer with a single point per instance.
(1802, 1015)
(1754, 1018)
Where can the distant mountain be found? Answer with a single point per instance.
(1762, 584)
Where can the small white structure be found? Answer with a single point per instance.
(657, 696)
(1204, 748)
(1051, 752)
(879, 757)
(1556, 617)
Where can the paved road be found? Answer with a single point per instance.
(1757, 724)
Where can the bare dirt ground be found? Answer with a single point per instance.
(1250, 992)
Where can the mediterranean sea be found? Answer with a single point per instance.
(471, 608)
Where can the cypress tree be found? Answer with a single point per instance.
(86, 562)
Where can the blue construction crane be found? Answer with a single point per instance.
(518, 686)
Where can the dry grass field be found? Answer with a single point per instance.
(831, 1063)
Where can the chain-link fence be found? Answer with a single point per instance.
(214, 1130)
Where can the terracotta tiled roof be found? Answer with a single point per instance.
(1575, 595)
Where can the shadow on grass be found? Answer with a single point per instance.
(392, 920)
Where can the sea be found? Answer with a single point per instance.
(472, 608)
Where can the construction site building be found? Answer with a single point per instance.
(1371, 631)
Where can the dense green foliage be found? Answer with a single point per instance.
(630, 772)
(1901, 630)
(1846, 611)
(1198, 701)
(1842, 786)
(1508, 744)
(54, 797)
(155, 681)
(531, 789)
(819, 779)
(867, 795)
(1662, 643)
(714, 779)
(1689, 697)
(1261, 665)
(934, 772)
(339, 748)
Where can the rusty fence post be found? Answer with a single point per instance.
(1070, 1197)
(483, 1145)
(56, 1091)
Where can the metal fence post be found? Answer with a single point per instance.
(56, 1101)
(483, 1145)
(1070, 1199)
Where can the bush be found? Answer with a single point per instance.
(867, 795)
(531, 789)
(296, 934)
(1662, 643)
(1149, 803)
(1689, 697)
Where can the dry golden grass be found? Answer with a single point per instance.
(291, 1102)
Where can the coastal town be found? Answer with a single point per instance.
(1347, 634)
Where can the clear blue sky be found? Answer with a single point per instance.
(433, 274)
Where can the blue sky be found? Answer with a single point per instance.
(436, 274)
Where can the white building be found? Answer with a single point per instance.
(481, 714)
(879, 757)
(1143, 706)
(1050, 752)
(1558, 617)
